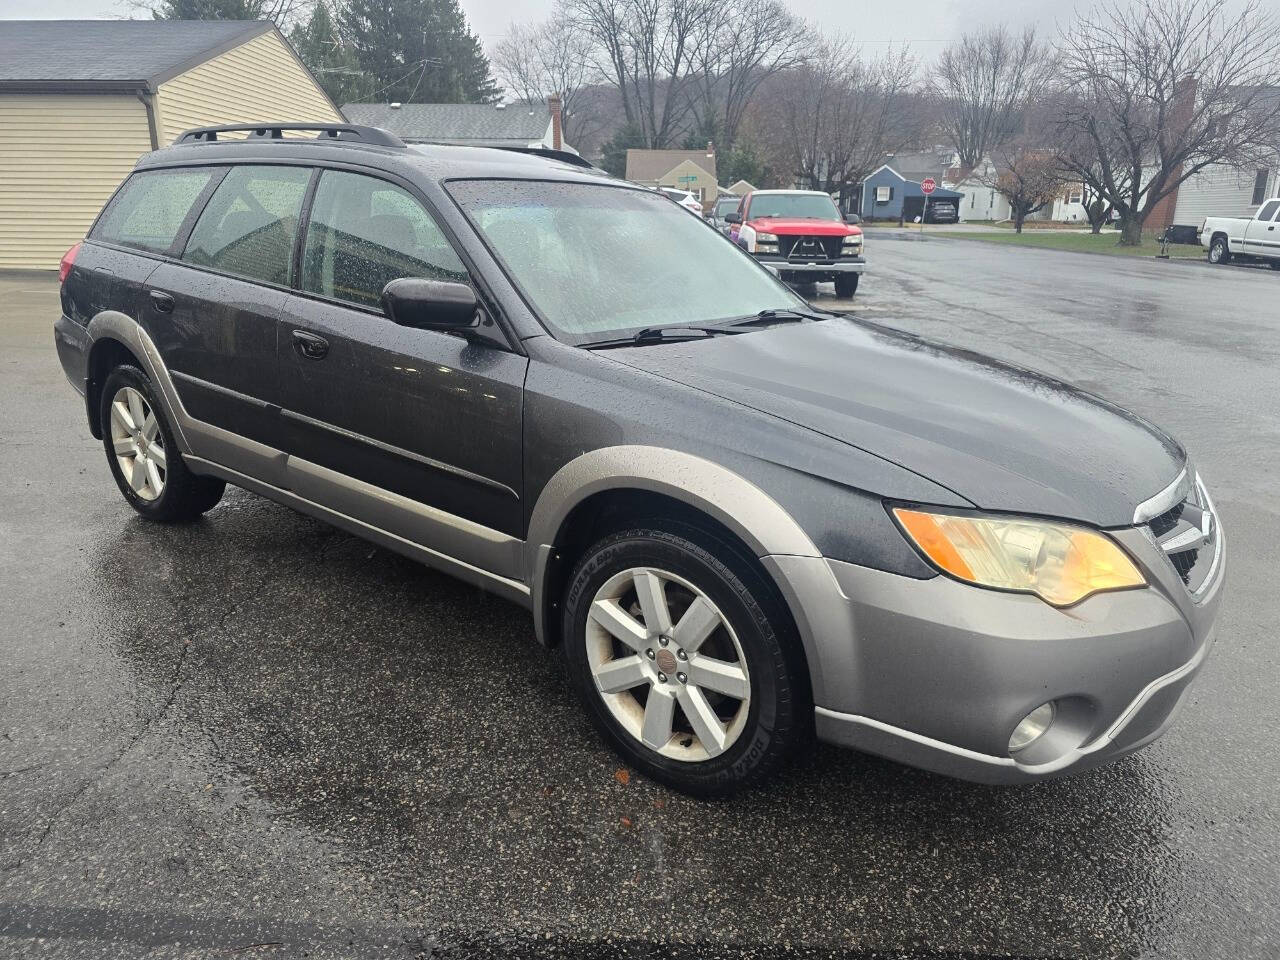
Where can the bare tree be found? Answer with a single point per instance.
(535, 62)
(831, 120)
(737, 47)
(645, 49)
(984, 83)
(1027, 176)
(1160, 91)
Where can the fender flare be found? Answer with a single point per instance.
(789, 556)
(113, 325)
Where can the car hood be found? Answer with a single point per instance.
(789, 226)
(1001, 437)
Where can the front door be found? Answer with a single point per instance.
(413, 429)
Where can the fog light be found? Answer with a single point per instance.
(1032, 727)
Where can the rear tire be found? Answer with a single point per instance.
(847, 286)
(1219, 252)
(664, 597)
(143, 456)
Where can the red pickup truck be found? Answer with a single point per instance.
(801, 235)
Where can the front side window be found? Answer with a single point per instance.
(810, 206)
(149, 210)
(598, 261)
(1267, 212)
(363, 233)
(249, 225)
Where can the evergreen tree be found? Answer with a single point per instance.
(209, 10)
(318, 46)
(614, 152)
(416, 51)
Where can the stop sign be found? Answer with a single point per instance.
(928, 185)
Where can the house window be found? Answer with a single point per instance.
(884, 194)
(1260, 186)
(1074, 196)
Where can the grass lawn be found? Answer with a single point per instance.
(1080, 243)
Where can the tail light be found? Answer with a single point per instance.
(68, 261)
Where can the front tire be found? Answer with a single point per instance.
(847, 285)
(1219, 252)
(143, 457)
(684, 659)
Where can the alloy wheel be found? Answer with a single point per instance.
(138, 443)
(668, 664)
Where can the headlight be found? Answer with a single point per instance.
(1062, 564)
(852, 242)
(766, 238)
(766, 243)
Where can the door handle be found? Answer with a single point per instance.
(161, 301)
(309, 345)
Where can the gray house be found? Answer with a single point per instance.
(471, 124)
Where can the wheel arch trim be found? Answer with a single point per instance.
(113, 325)
(739, 505)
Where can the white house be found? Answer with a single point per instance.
(980, 201)
(1222, 191)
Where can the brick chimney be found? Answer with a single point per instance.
(711, 149)
(556, 106)
(1184, 105)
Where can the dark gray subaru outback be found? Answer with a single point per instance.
(747, 522)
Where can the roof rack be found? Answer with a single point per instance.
(275, 131)
(547, 153)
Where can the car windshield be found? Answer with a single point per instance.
(812, 206)
(727, 206)
(599, 262)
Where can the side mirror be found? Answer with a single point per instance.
(430, 304)
(733, 218)
(852, 218)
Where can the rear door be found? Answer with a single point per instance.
(214, 314)
(416, 430)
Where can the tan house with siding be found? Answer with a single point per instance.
(81, 100)
(692, 170)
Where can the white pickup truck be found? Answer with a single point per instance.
(1257, 237)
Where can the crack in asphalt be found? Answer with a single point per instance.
(177, 681)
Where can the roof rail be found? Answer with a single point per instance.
(275, 131)
(547, 153)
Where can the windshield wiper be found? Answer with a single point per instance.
(765, 317)
(671, 334)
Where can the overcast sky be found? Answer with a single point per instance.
(923, 23)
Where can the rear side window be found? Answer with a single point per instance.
(363, 233)
(149, 210)
(250, 222)
(1266, 212)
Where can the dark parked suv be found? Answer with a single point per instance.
(747, 522)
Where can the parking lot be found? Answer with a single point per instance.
(259, 736)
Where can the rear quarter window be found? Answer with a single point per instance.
(149, 209)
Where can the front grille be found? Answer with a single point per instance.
(1166, 522)
(1189, 535)
(810, 248)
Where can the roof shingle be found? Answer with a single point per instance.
(113, 51)
(516, 123)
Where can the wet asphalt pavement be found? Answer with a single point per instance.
(257, 736)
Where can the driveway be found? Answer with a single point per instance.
(256, 736)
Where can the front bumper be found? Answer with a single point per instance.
(783, 265)
(937, 674)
